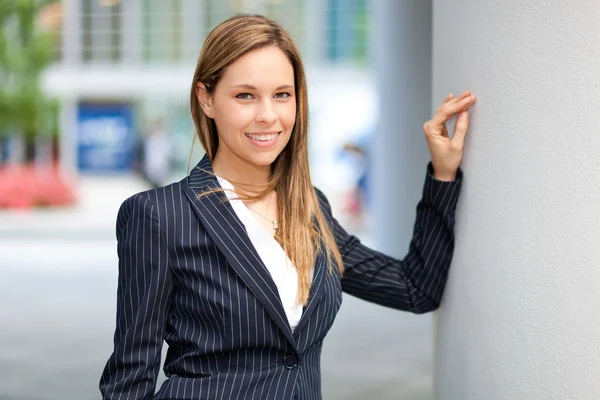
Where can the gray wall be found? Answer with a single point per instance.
(521, 313)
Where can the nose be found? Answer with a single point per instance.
(266, 113)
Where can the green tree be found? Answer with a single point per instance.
(26, 49)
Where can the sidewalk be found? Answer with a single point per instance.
(94, 215)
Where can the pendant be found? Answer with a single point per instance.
(275, 226)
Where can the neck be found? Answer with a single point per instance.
(254, 178)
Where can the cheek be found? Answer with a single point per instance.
(235, 117)
(288, 117)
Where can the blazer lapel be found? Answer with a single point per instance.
(229, 234)
(316, 291)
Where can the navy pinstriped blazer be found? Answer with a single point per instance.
(189, 275)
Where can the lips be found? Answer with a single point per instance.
(263, 140)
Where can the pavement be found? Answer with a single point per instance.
(58, 293)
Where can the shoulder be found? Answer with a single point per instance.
(323, 202)
(320, 195)
(153, 204)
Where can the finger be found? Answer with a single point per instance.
(460, 130)
(448, 98)
(464, 95)
(457, 99)
(461, 103)
(447, 110)
(451, 97)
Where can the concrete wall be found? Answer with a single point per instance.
(521, 313)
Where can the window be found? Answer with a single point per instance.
(173, 31)
(101, 31)
(347, 33)
(162, 31)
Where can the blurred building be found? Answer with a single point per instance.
(124, 68)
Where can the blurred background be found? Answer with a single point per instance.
(93, 108)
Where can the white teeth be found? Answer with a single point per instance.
(262, 138)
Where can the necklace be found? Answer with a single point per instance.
(274, 222)
(275, 226)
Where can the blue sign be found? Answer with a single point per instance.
(106, 137)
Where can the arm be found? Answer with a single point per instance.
(143, 298)
(417, 282)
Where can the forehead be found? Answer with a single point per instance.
(262, 67)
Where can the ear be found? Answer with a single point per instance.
(204, 98)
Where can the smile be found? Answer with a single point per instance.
(263, 140)
(263, 137)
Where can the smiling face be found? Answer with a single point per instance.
(254, 108)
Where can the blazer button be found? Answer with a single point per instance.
(290, 361)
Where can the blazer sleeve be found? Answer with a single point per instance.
(143, 300)
(415, 283)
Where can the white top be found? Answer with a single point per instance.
(280, 267)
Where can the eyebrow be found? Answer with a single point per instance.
(250, 87)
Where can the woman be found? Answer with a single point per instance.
(240, 266)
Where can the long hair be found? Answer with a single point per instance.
(303, 230)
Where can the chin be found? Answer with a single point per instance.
(263, 159)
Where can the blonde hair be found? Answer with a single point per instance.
(298, 205)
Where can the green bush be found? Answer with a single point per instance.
(26, 49)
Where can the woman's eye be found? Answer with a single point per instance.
(244, 96)
(283, 95)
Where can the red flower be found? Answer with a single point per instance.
(29, 186)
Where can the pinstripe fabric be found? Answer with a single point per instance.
(189, 275)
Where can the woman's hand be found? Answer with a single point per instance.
(446, 153)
